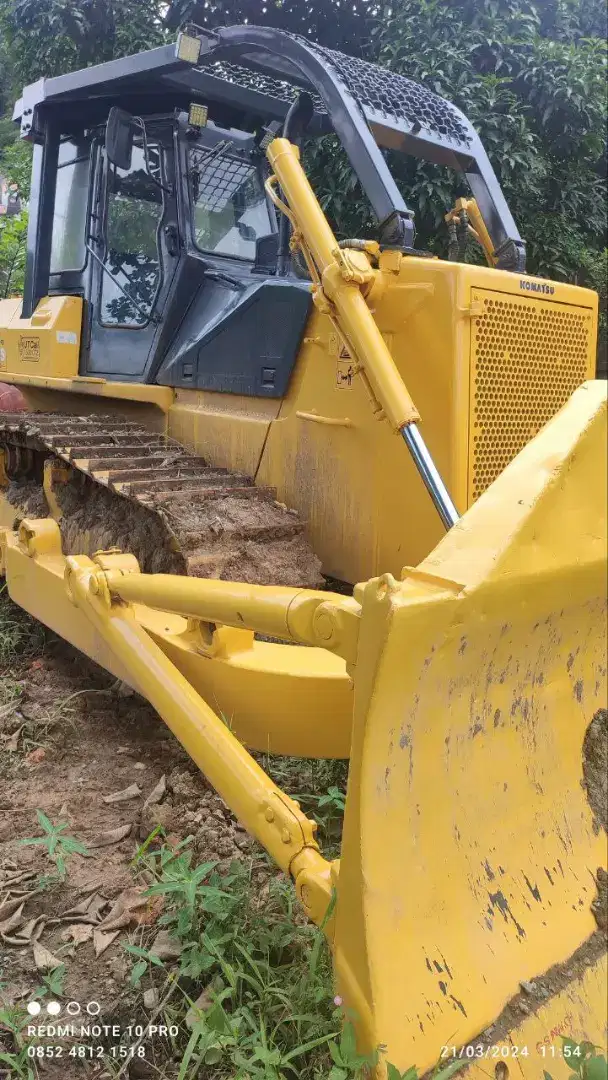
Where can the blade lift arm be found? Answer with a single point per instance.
(108, 591)
(342, 277)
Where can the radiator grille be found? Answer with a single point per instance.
(527, 357)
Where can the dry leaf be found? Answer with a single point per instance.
(87, 912)
(44, 959)
(113, 836)
(157, 794)
(150, 914)
(31, 930)
(96, 904)
(84, 907)
(11, 742)
(102, 941)
(77, 932)
(122, 912)
(13, 920)
(9, 906)
(166, 947)
(15, 878)
(9, 708)
(203, 1002)
(130, 792)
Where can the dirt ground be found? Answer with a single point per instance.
(69, 738)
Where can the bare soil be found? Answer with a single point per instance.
(69, 735)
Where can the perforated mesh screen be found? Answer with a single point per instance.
(394, 95)
(218, 180)
(253, 80)
(375, 88)
(527, 358)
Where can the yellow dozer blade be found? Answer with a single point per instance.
(474, 832)
(475, 826)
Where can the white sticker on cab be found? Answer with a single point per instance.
(67, 337)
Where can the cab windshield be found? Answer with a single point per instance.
(229, 205)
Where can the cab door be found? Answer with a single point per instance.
(134, 249)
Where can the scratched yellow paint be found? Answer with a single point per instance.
(578, 1012)
(469, 852)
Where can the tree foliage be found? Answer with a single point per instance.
(51, 37)
(15, 157)
(530, 74)
(13, 247)
(339, 24)
(538, 102)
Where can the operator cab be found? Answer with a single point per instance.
(162, 223)
(155, 212)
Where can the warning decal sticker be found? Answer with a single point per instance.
(345, 375)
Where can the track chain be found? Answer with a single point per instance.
(129, 486)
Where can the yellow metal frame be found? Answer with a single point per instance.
(386, 330)
(247, 681)
(469, 850)
(480, 679)
(47, 344)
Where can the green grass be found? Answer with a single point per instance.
(319, 785)
(57, 845)
(262, 973)
(269, 1011)
(20, 635)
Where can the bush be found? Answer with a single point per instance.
(13, 247)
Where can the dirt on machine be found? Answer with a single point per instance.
(116, 485)
(223, 405)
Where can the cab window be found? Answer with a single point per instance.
(133, 216)
(229, 207)
(70, 212)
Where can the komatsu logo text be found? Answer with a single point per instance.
(536, 286)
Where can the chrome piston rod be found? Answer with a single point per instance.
(428, 471)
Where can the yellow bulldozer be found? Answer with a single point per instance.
(349, 495)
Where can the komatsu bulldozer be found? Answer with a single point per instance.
(215, 413)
